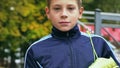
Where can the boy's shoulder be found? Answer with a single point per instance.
(42, 39)
(35, 48)
(98, 37)
(94, 37)
(91, 35)
(38, 42)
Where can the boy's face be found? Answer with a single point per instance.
(64, 14)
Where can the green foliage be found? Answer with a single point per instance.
(21, 23)
(104, 5)
(110, 6)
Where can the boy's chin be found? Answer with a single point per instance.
(65, 29)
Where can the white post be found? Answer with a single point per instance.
(98, 22)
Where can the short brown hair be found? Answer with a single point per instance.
(79, 2)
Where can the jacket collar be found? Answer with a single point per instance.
(73, 33)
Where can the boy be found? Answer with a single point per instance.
(66, 46)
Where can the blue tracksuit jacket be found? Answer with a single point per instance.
(70, 49)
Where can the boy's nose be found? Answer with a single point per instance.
(64, 14)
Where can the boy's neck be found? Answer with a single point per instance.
(68, 34)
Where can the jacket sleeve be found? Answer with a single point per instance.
(30, 61)
(111, 53)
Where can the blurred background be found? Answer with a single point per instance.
(24, 21)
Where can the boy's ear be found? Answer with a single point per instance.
(81, 12)
(47, 11)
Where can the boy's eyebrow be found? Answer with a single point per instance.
(56, 5)
(70, 5)
(61, 5)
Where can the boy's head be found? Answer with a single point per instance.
(79, 2)
(64, 14)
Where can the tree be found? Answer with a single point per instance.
(104, 5)
(21, 23)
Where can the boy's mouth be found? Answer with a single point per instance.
(64, 22)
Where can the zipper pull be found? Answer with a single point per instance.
(67, 34)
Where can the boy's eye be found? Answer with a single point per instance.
(71, 8)
(56, 8)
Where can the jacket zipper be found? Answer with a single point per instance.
(71, 52)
